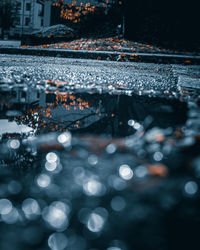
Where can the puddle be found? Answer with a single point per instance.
(73, 164)
(45, 112)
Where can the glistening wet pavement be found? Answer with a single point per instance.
(97, 171)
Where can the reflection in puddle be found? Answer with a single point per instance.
(54, 184)
(84, 113)
(12, 127)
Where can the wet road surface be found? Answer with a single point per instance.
(87, 75)
(85, 163)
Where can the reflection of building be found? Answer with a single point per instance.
(22, 98)
(29, 96)
(32, 15)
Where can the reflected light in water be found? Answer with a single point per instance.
(5, 206)
(12, 127)
(95, 222)
(191, 188)
(56, 215)
(57, 241)
(93, 187)
(31, 208)
(125, 172)
(43, 180)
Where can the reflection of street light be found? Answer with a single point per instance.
(22, 40)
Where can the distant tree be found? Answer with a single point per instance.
(88, 16)
(8, 13)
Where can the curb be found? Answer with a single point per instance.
(105, 55)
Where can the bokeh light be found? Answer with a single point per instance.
(125, 172)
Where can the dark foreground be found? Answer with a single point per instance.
(98, 170)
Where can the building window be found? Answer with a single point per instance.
(27, 21)
(23, 94)
(28, 6)
(17, 21)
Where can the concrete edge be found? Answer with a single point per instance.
(105, 55)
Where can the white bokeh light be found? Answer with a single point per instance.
(51, 157)
(93, 187)
(57, 241)
(5, 206)
(95, 222)
(125, 172)
(14, 144)
(56, 215)
(65, 139)
(43, 180)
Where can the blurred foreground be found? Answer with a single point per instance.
(125, 177)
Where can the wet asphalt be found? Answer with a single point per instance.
(87, 75)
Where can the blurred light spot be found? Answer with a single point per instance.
(11, 217)
(58, 168)
(57, 215)
(57, 241)
(93, 160)
(118, 203)
(50, 166)
(116, 182)
(125, 172)
(117, 245)
(141, 171)
(111, 148)
(191, 187)
(79, 175)
(43, 180)
(95, 222)
(31, 208)
(93, 187)
(5, 206)
(14, 187)
(131, 123)
(65, 139)
(158, 156)
(14, 144)
(136, 125)
(51, 157)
